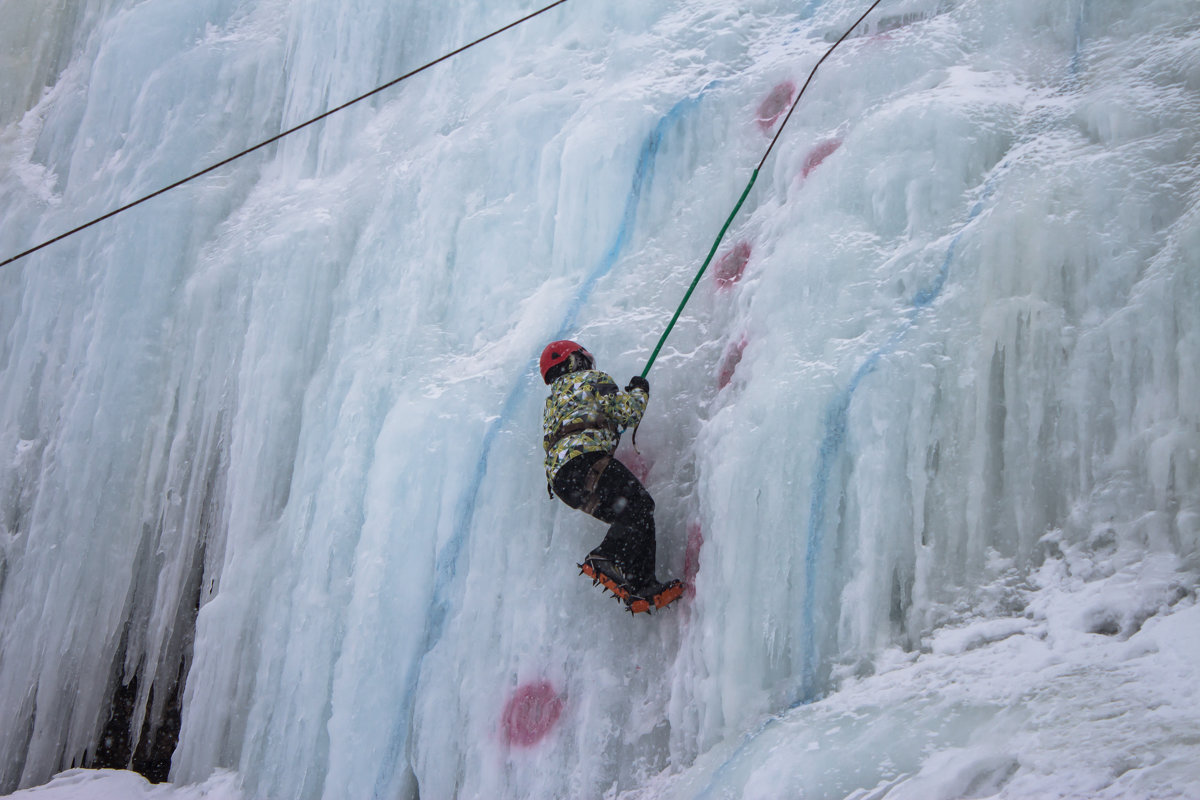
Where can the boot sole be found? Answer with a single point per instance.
(663, 599)
(599, 578)
(635, 604)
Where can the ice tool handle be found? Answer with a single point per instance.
(745, 192)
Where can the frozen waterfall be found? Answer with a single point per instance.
(925, 444)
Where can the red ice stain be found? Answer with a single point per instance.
(691, 558)
(730, 266)
(774, 104)
(729, 364)
(637, 463)
(531, 713)
(818, 154)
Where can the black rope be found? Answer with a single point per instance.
(820, 61)
(278, 136)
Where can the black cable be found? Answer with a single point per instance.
(278, 136)
(796, 102)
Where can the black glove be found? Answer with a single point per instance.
(638, 382)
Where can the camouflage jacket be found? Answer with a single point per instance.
(586, 413)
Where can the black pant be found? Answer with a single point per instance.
(623, 503)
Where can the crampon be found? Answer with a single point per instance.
(656, 595)
(640, 599)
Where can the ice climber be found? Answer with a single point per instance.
(585, 415)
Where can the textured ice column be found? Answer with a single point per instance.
(114, 506)
(300, 396)
(952, 349)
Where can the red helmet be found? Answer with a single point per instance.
(557, 353)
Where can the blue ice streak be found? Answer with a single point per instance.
(450, 564)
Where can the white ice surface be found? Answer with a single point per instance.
(931, 466)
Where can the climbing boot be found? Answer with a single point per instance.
(604, 571)
(653, 594)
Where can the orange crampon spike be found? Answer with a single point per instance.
(636, 604)
(669, 595)
(603, 580)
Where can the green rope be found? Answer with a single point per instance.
(742, 199)
(703, 267)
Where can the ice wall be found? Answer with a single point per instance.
(271, 485)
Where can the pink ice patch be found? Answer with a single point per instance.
(730, 266)
(531, 713)
(729, 364)
(691, 558)
(818, 154)
(778, 101)
(638, 464)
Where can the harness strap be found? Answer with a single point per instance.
(590, 422)
(591, 481)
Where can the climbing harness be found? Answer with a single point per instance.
(753, 177)
(589, 423)
(592, 482)
(279, 136)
